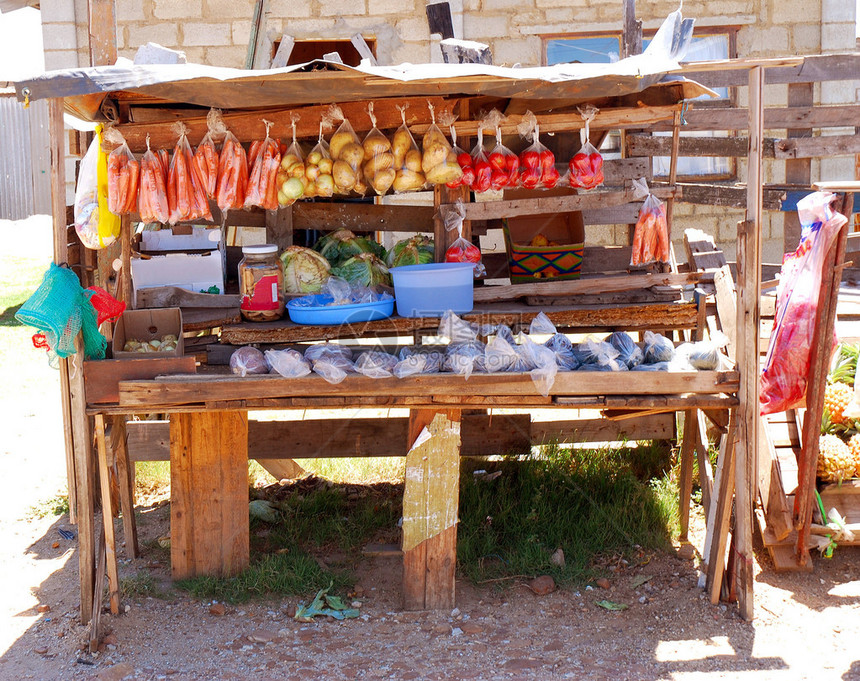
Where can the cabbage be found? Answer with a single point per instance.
(305, 271)
(341, 245)
(365, 269)
(417, 250)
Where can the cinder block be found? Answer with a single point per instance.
(343, 8)
(289, 9)
(482, 27)
(178, 9)
(165, 34)
(129, 10)
(61, 59)
(838, 11)
(232, 56)
(312, 28)
(206, 35)
(413, 53)
(224, 9)
(806, 38)
(506, 5)
(413, 29)
(377, 7)
(196, 55)
(241, 32)
(838, 37)
(525, 51)
(59, 36)
(57, 11)
(558, 3)
(838, 92)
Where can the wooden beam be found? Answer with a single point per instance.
(631, 36)
(720, 512)
(102, 31)
(430, 508)
(749, 297)
(812, 69)
(730, 196)
(125, 476)
(107, 515)
(362, 217)
(839, 115)
(685, 484)
(797, 170)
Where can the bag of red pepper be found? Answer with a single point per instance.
(537, 163)
(586, 166)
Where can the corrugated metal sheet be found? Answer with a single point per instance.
(25, 161)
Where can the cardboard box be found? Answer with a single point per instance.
(194, 261)
(147, 325)
(529, 263)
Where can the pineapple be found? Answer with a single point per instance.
(854, 446)
(835, 460)
(837, 396)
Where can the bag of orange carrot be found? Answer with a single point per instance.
(264, 161)
(206, 156)
(123, 175)
(186, 196)
(232, 174)
(152, 198)
(651, 235)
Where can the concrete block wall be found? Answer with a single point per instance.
(216, 32)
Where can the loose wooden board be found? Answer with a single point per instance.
(595, 285)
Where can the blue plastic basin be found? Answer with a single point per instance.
(429, 290)
(337, 314)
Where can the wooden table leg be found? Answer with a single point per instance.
(107, 515)
(430, 507)
(126, 485)
(209, 532)
(685, 484)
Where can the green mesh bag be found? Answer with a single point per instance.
(60, 309)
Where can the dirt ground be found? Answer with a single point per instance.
(806, 626)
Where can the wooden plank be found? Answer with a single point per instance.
(362, 217)
(173, 296)
(685, 483)
(209, 494)
(728, 195)
(631, 317)
(720, 512)
(727, 308)
(807, 147)
(190, 390)
(430, 507)
(813, 69)
(94, 631)
(107, 516)
(102, 31)
(649, 427)
(489, 294)
(125, 475)
(749, 299)
(837, 116)
(631, 35)
(822, 146)
(102, 377)
(496, 210)
(279, 227)
(706, 473)
(771, 492)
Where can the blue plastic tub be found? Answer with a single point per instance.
(429, 290)
(322, 314)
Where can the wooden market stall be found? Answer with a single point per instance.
(210, 434)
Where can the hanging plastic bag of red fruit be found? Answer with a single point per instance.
(586, 166)
(786, 367)
(505, 164)
(464, 158)
(481, 164)
(537, 163)
(462, 250)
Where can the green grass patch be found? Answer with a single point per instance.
(142, 585)
(280, 574)
(586, 502)
(360, 470)
(55, 506)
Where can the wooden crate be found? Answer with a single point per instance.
(845, 498)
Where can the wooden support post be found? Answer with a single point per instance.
(125, 476)
(797, 170)
(749, 276)
(673, 175)
(631, 37)
(107, 515)
(102, 31)
(209, 493)
(720, 512)
(706, 473)
(279, 227)
(96, 602)
(430, 505)
(124, 274)
(442, 237)
(771, 490)
(688, 444)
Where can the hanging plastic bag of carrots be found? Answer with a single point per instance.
(264, 161)
(586, 166)
(123, 175)
(206, 157)
(232, 184)
(186, 196)
(651, 235)
(152, 198)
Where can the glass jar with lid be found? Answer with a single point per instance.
(261, 283)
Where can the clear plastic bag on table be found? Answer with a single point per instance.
(438, 161)
(537, 163)
(186, 196)
(318, 168)
(542, 361)
(247, 360)
(414, 361)
(504, 331)
(461, 250)
(408, 176)
(96, 226)
(456, 329)
(657, 348)
(290, 179)
(500, 355)
(505, 163)
(152, 196)
(657, 366)
(585, 169)
(378, 166)
(628, 352)
(333, 367)
(465, 358)
(327, 351)
(206, 157)
(339, 289)
(233, 174)
(376, 364)
(591, 351)
(123, 175)
(347, 155)
(288, 363)
(558, 343)
(464, 160)
(481, 165)
(786, 367)
(651, 234)
(701, 355)
(264, 162)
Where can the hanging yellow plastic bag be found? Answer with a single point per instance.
(96, 226)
